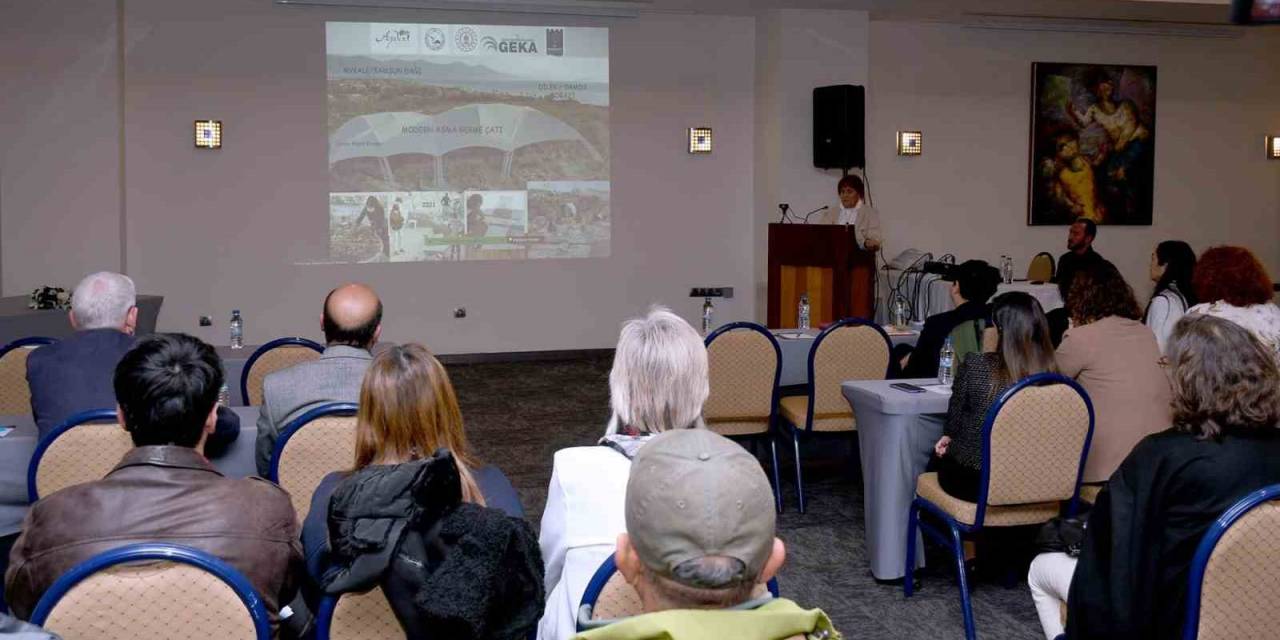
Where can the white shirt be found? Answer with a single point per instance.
(849, 216)
(1163, 313)
(585, 512)
(1262, 320)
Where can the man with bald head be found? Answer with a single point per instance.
(352, 322)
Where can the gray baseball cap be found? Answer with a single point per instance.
(694, 493)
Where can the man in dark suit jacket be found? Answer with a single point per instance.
(75, 374)
(352, 322)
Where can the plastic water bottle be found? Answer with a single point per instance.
(802, 313)
(1006, 269)
(708, 313)
(237, 330)
(946, 363)
(899, 312)
(224, 396)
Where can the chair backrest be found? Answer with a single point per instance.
(317, 443)
(278, 354)
(84, 448)
(609, 596)
(1233, 587)
(149, 590)
(357, 616)
(1041, 268)
(15, 395)
(851, 349)
(1034, 443)
(744, 362)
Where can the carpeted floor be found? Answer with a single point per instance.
(519, 414)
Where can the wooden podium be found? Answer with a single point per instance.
(823, 260)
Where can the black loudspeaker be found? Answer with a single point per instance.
(839, 113)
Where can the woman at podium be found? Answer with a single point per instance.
(854, 210)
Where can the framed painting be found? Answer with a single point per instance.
(1093, 135)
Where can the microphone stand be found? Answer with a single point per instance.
(785, 208)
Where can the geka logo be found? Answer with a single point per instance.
(509, 45)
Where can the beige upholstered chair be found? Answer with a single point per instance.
(1038, 441)
(1089, 492)
(311, 447)
(15, 396)
(278, 354)
(1234, 583)
(153, 591)
(851, 349)
(1041, 268)
(85, 448)
(357, 616)
(744, 363)
(610, 597)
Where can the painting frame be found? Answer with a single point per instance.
(1092, 144)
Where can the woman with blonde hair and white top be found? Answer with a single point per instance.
(658, 383)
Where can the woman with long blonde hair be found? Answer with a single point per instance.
(408, 410)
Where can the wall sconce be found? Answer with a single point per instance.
(208, 134)
(1273, 147)
(700, 140)
(910, 143)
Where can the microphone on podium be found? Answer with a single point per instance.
(822, 208)
(785, 208)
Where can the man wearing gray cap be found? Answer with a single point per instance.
(700, 538)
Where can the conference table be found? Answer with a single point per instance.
(934, 295)
(233, 361)
(896, 434)
(17, 447)
(795, 345)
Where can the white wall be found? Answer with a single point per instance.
(969, 91)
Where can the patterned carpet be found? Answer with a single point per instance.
(519, 414)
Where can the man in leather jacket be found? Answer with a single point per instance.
(163, 490)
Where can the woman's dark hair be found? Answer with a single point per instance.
(1233, 275)
(1099, 291)
(853, 182)
(1025, 347)
(1179, 263)
(1224, 379)
(166, 386)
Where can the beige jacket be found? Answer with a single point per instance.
(867, 227)
(1117, 361)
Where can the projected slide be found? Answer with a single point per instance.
(467, 142)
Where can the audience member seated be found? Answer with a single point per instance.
(352, 322)
(74, 374)
(1131, 577)
(407, 411)
(699, 539)
(973, 282)
(1023, 350)
(1079, 255)
(658, 383)
(447, 566)
(1116, 359)
(1172, 264)
(1232, 284)
(164, 490)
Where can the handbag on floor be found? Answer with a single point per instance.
(1061, 535)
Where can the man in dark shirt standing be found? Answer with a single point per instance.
(1079, 255)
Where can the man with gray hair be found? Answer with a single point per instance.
(75, 374)
(699, 545)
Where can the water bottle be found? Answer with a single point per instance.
(1006, 269)
(899, 312)
(224, 396)
(237, 330)
(946, 363)
(708, 310)
(802, 313)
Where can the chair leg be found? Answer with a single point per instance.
(795, 441)
(966, 605)
(777, 479)
(908, 577)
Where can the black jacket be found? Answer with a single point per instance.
(448, 569)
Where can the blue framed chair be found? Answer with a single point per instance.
(278, 354)
(356, 616)
(609, 597)
(1233, 589)
(15, 395)
(851, 349)
(1035, 440)
(110, 594)
(84, 448)
(744, 363)
(312, 446)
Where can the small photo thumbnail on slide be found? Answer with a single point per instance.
(569, 218)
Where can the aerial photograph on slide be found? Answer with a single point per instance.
(467, 142)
